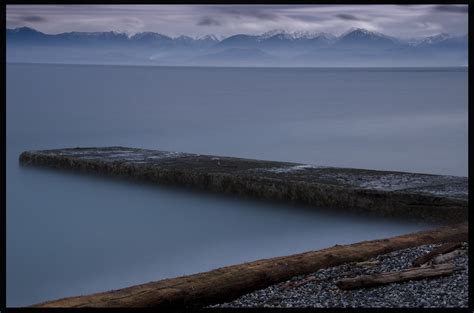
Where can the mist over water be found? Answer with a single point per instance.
(71, 234)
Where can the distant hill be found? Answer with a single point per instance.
(364, 39)
(356, 47)
(235, 56)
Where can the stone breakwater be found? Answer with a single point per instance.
(386, 193)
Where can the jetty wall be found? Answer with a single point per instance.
(429, 197)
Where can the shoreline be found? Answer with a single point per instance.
(229, 283)
(318, 289)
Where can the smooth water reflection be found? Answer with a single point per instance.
(70, 234)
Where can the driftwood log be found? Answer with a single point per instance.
(312, 278)
(414, 273)
(444, 258)
(445, 248)
(228, 283)
(300, 283)
(366, 263)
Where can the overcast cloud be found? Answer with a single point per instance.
(403, 21)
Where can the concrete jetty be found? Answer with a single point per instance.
(387, 193)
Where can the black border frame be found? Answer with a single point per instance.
(3, 225)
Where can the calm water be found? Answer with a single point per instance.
(70, 234)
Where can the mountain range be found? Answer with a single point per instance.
(356, 47)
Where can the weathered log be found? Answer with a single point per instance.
(299, 283)
(228, 283)
(445, 248)
(444, 258)
(312, 278)
(414, 273)
(366, 263)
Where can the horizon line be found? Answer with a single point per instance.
(462, 67)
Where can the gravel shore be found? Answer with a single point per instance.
(320, 290)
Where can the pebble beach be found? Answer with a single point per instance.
(318, 289)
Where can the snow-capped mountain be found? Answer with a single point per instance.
(362, 33)
(362, 37)
(429, 40)
(287, 48)
(312, 35)
(297, 35)
(211, 38)
(149, 36)
(276, 32)
(278, 42)
(23, 32)
(435, 39)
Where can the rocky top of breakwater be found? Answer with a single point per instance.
(439, 185)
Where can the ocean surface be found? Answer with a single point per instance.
(70, 234)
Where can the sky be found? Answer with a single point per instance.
(403, 21)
